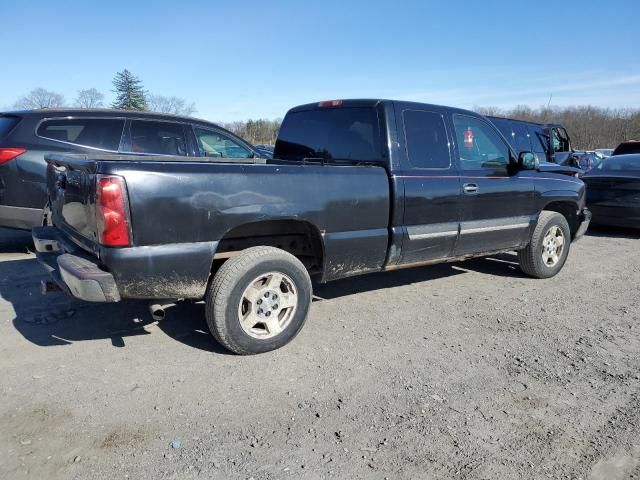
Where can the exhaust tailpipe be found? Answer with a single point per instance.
(158, 310)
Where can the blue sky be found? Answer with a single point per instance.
(244, 59)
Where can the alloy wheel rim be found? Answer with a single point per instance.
(268, 305)
(552, 246)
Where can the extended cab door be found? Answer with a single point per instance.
(431, 186)
(496, 210)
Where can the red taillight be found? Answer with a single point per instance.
(330, 103)
(7, 154)
(114, 229)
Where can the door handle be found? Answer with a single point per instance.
(470, 188)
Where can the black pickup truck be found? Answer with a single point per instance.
(355, 186)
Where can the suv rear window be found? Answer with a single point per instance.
(6, 125)
(102, 133)
(332, 134)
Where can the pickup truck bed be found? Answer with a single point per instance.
(181, 210)
(354, 187)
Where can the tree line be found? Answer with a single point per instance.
(129, 91)
(589, 127)
(261, 131)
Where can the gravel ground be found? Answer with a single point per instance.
(468, 370)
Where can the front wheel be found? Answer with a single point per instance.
(548, 249)
(258, 300)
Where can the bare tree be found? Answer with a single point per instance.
(89, 98)
(175, 105)
(40, 98)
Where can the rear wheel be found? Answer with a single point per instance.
(258, 300)
(548, 249)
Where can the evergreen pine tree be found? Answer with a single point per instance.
(130, 95)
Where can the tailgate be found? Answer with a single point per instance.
(71, 184)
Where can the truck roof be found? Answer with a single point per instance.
(373, 102)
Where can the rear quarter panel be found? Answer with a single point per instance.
(180, 203)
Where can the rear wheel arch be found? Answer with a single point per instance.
(298, 237)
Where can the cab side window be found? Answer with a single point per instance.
(215, 144)
(426, 139)
(479, 146)
(161, 138)
(102, 133)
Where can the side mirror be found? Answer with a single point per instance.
(528, 161)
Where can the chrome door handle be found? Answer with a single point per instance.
(470, 188)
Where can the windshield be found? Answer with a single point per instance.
(330, 134)
(620, 163)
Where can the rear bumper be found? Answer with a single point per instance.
(584, 218)
(77, 275)
(178, 270)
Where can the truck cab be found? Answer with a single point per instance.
(457, 187)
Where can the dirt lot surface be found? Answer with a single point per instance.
(468, 370)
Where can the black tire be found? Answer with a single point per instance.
(530, 258)
(225, 294)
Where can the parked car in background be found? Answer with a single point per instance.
(613, 191)
(588, 160)
(356, 186)
(606, 152)
(632, 146)
(550, 142)
(26, 136)
(265, 150)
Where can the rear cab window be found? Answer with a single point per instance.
(101, 133)
(339, 134)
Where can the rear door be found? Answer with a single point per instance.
(496, 209)
(431, 186)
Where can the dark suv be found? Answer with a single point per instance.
(550, 142)
(26, 136)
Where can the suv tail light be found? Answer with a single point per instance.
(7, 154)
(112, 211)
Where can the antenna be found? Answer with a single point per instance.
(546, 112)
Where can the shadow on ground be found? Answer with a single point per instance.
(56, 319)
(503, 265)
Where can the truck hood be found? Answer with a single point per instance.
(548, 167)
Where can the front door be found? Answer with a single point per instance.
(431, 187)
(496, 210)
